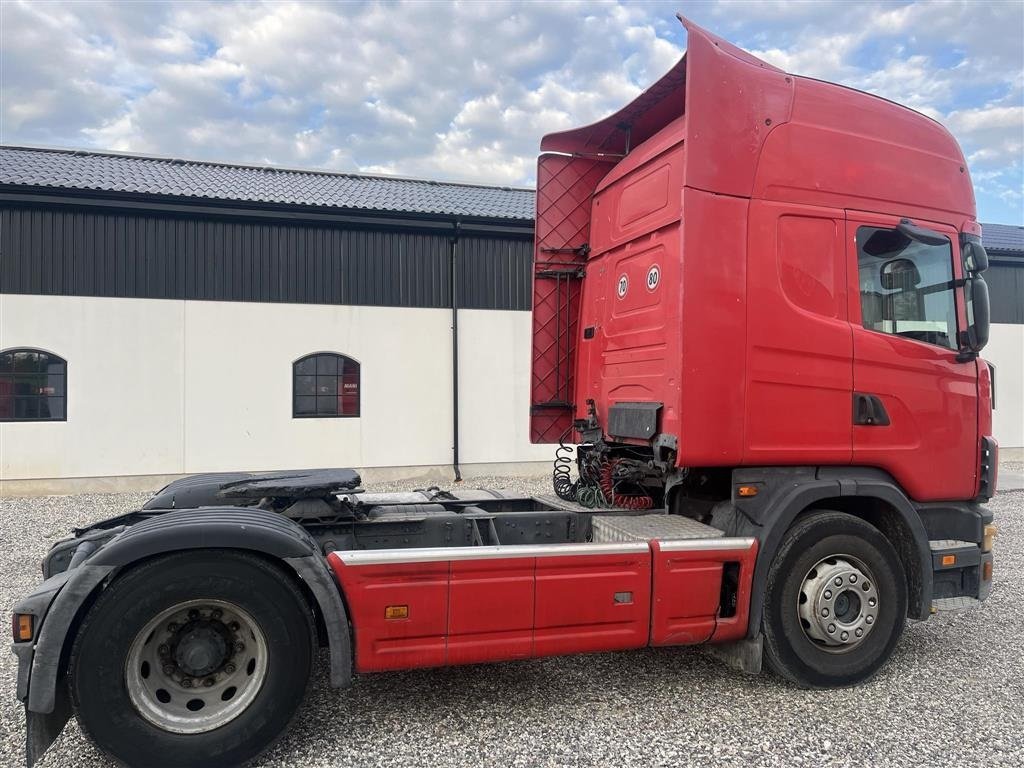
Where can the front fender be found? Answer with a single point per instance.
(785, 492)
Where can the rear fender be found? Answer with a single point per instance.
(253, 530)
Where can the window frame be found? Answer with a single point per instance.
(955, 282)
(341, 358)
(54, 357)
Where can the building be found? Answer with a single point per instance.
(169, 317)
(197, 317)
(1005, 350)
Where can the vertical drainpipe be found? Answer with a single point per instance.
(453, 287)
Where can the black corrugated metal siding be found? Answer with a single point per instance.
(1006, 291)
(494, 273)
(83, 252)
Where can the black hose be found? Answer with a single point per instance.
(561, 476)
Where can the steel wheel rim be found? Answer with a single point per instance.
(838, 603)
(196, 666)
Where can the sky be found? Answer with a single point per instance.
(464, 91)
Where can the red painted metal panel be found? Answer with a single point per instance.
(687, 594)
(735, 627)
(798, 262)
(381, 643)
(490, 614)
(931, 443)
(564, 189)
(577, 610)
(632, 295)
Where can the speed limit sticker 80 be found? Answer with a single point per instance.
(653, 277)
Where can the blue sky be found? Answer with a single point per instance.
(465, 90)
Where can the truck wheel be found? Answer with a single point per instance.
(835, 602)
(194, 659)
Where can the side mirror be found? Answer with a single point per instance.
(975, 337)
(975, 256)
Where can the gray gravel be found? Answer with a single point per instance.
(953, 694)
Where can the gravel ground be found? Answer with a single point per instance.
(953, 695)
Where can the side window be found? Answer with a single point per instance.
(33, 386)
(906, 287)
(325, 385)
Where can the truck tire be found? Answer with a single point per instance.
(835, 602)
(198, 658)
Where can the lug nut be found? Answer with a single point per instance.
(839, 581)
(208, 682)
(869, 620)
(866, 586)
(186, 682)
(233, 626)
(239, 647)
(853, 578)
(844, 636)
(168, 669)
(193, 614)
(872, 601)
(858, 632)
(163, 650)
(824, 612)
(217, 613)
(831, 628)
(229, 668)
(828, 594)
(172, 627)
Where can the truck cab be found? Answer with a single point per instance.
(747, 268)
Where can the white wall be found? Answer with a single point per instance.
(494, 388)
(173, 387)
(125, 362)
(1005, 351)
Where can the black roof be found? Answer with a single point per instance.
(136, 174)
(1006, 239)
(123, 173)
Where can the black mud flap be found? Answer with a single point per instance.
(41, 730)
(637, 420)
(742, 655)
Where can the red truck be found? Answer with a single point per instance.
(758, 313)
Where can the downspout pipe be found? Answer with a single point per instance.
(454, 290)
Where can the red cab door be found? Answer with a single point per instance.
(914, 405)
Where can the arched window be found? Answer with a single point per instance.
(33, 386)
(325, 385)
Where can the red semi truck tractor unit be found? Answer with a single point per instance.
(758, 308)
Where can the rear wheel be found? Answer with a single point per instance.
(835, 602)
(198, 658)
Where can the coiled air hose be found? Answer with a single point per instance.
(624, 500)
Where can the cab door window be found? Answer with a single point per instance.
(906, 287)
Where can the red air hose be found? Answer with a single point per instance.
(626, 501)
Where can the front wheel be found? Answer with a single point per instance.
(194, 659)
(835, 602)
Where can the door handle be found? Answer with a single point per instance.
(869, 411)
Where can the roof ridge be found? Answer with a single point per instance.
(82, 152)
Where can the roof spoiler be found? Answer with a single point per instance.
(653, 109)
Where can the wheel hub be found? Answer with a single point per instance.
(196, 666)
(201, 647)
(838, 603)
